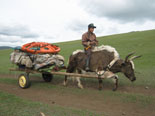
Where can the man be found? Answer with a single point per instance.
(89, 42)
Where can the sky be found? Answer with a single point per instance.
(23, 21)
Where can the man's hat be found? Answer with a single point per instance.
(91, 25)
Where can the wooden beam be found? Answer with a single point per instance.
(58, 73)
(75, 74)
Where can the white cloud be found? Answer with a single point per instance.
(121, 10)
(63, 20)
(17, 30)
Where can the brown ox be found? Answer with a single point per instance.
(105, 61)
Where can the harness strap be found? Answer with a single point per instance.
(112, 63)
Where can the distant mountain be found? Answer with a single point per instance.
(5, 47)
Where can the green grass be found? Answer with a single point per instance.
(139, 99)
(4, 61)
(142, 42)
(11, 105)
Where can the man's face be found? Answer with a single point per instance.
(91, 30)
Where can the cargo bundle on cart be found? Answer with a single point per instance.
(36, 57)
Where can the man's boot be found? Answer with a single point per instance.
(87, 63)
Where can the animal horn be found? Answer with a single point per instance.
(126, 59)
(134, 57)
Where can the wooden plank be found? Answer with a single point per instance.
(58, 73)
(75, 74)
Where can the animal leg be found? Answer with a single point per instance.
(100, 83)
(65, 81)
(115, 79)
(69, 70)
(79, 83)
(100, 73)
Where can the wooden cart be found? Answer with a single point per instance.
(24, 81)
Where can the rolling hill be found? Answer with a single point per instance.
(133, 99)
(5, 47)
(141, 42)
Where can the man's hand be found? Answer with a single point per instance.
(88, 43)
(87, 47)
(94, 43)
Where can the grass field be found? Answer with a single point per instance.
(12, 105)
(141, 42)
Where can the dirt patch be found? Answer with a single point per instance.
(95, 102)
(145, 90)
(140, 90)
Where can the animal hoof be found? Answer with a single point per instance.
(100, 89)
(114, 89)
(80, 86)
(64, 83)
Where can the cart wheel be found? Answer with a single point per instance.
(47, 77)
(23, 81)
